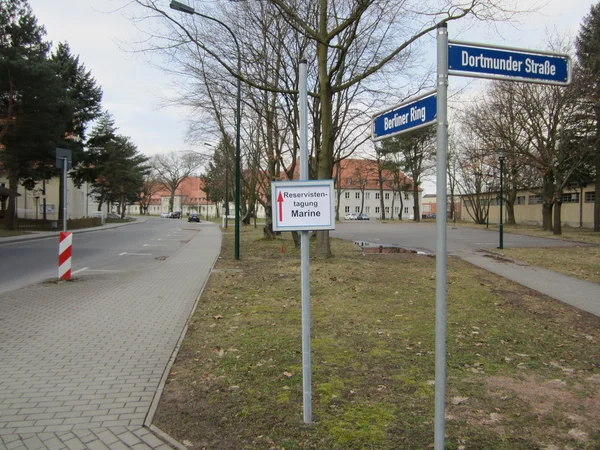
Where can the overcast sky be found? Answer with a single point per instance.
(133, 87)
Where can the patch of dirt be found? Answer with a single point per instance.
(550, 398)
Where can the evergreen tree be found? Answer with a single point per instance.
(112, 165)
(33, 107)
(588, 54)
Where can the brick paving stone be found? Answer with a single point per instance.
(82, 361)
(54, 444)
(33, 443)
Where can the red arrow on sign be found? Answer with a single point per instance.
(280, 201)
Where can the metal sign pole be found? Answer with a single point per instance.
(305, 252)
(440, 251)
(64, 194)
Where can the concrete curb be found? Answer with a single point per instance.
(165, 437)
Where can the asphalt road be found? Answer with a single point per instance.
(422, 236)
(127, 248)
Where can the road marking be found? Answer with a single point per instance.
(135, 254)
(80, 270)
(103, 270)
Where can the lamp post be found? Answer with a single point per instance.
(189, 10)
(501, 228)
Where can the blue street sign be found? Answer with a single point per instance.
(408, 116)
(482, 61)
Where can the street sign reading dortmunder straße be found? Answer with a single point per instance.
(302, 205)
(507, 63)
(408, 116)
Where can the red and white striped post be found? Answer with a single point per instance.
(64, 255)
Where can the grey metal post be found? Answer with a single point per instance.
(64, 194)
(305, 251)
(440, 249)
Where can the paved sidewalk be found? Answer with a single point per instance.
(573, 291)
(83, 360)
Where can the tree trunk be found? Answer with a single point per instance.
(401, 205)
(268, 229)
(548, 200)
(510, 214)
(13, 185)
(381, 196)
(510, 206)
(44, 214)
(325, 152)
(597, 164)
(416, 208)
(557, 230)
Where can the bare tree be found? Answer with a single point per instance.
(173, 168)
(353, 40)
(417, 149)
(150, 187)
(475, 181)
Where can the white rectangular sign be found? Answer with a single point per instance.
(302, 205)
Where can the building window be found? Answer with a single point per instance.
(377, 210)
(367, 209)
(348, 180)
(346, 209)
(406, 195)
(363, 181)
(387, 209)
(495, 201)
(570, 198)
(367, 196)
(396, 210)
(535, 200)
(468, 204)
(377, 196)
(347, 194)
(357, 209)
(387, 195)
(357, 195)
(590, 197)
(406, 210)
(520, 200)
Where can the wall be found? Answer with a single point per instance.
(79, 204)
(531, 214)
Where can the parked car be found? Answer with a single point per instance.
(194, 218)
(175, 215)
(351, 216)
(164, 215)
(363, 216)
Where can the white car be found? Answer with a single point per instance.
(164, 215)
(350, 216)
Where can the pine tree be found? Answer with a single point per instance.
(32, 105)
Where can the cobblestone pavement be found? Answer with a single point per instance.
(81, 361)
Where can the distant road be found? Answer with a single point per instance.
(125, 248)
(422, 236)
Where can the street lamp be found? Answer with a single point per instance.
(189, 10)
(501, 229)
